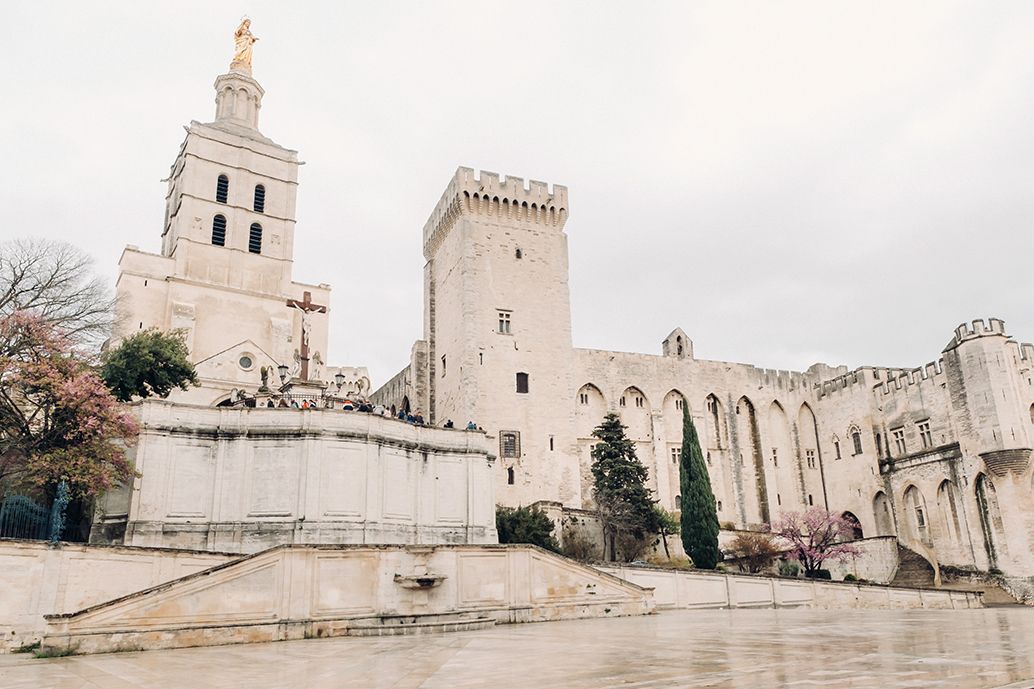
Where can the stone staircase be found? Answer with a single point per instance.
(409, 625)
(913, 570)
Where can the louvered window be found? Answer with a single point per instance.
(260, 198)
(222, 189)
(255, 239)
(219, 230)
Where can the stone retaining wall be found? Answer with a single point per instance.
(39, 579)
(693, 589)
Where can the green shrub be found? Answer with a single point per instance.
(525, 525)
(819, 574)
(850, 577)
(788, 569)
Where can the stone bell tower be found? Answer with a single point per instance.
(224, 274)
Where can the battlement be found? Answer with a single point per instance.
(902, 378)
(978, 328)
(489, 194)
(783, 380)
(1023, 351)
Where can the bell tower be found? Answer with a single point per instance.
(224, 274)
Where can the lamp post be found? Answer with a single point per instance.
(282, 370)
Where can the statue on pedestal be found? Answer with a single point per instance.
(243, 40)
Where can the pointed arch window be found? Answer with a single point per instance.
(255, 239)
(222, 189)
(219, 230)
(260, 199)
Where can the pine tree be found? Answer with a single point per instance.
(623, 502)
(699, 515)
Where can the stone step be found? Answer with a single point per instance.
(913, 570)
(393, 628)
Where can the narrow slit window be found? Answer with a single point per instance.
(219, 230)
(522, 382)
(255, 239)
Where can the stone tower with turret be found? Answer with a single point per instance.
(497, 327)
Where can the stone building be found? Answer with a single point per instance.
(224, 275)
(233, 465)
(938, 455)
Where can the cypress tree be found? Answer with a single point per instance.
(699, 515)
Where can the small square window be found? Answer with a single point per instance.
(504, 323)
(509, 444)
(810, 455)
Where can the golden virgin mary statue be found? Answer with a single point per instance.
(242, 42)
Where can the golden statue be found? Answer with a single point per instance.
(243, 40)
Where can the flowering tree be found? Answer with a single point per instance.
(58, 421)
(815, 536)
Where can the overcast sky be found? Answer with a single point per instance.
(788, 182)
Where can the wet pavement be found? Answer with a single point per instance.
(860, 649)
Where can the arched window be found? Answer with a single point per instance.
(881, 510)
(678, 502)
(1032, 413)
(518, 253)
(219, 230)
(949, 510)
(509, 476)
(856, 527)
(915, 507)
(222, 188)
(255, 239)
(856, 440)
(260, 199)
(714, 408)
(522, 382)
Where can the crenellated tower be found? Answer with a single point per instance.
(497, 326)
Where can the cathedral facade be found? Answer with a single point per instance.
(938, 455)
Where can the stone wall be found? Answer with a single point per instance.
(681, 589)
(242, 480)
(39, 579)
(294, 592)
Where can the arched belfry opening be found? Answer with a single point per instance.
(677, 345)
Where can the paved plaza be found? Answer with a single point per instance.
(743, 648)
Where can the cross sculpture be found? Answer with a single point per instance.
(306, 306)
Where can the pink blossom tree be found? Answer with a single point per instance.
(58, 421)
(815, 536)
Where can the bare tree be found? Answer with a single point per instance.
(56, 281)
